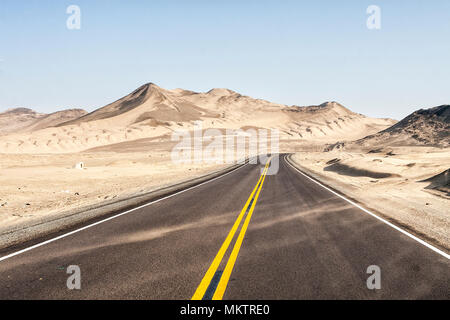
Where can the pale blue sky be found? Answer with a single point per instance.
(292, 52)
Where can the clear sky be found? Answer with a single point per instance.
(291, 52)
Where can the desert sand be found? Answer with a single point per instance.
(33, 187)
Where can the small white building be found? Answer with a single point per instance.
(79, 166)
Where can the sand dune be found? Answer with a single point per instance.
(23, 120)
(14, 120)
(151, 111)
(148, 102)
(54, 119)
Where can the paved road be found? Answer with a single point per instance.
(302, 242)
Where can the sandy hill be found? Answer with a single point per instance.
(24, 120)
(425, 127)
(148, 102)
(151, 111)
(331, 120)
(13, 120)
(54, 119)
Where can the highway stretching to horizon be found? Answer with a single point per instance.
(244, 235)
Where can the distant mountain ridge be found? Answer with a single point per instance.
(20, 111)
(21, 120)
(151, 111)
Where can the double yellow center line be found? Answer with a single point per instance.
(225, 276)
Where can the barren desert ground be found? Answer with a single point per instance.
(34, 188)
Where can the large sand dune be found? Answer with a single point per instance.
(24, 120)
(151, 111)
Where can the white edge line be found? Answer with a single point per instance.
(426, 244)
(113, 217)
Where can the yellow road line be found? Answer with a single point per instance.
(200, 292)
(222, 286)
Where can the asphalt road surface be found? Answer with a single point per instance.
(245, 235)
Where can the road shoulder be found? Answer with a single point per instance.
(346, 191)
